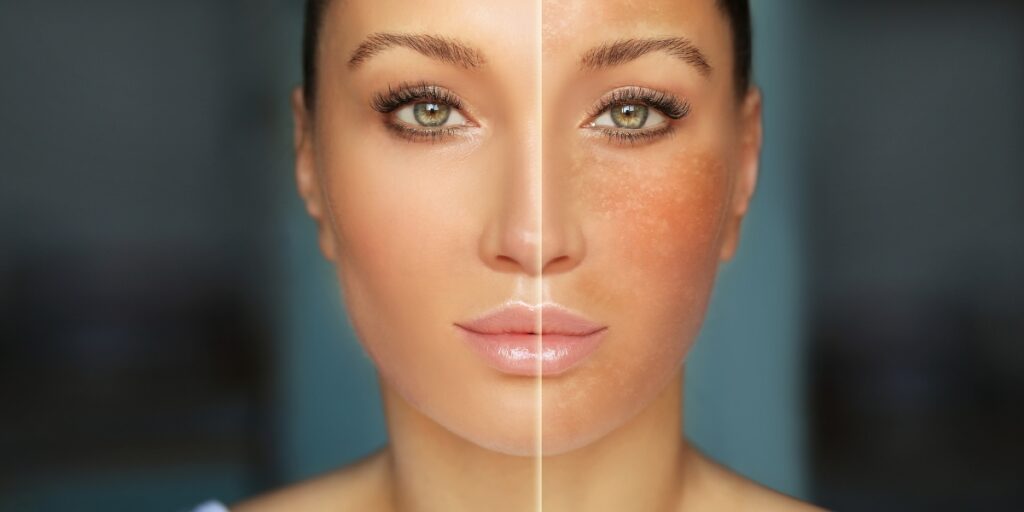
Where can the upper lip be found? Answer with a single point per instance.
(522, 318)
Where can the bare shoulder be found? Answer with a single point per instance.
(726, 490)
(360, 486)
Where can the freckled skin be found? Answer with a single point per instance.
(654, 215)
(659, 223)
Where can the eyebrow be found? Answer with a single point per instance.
(436, 47)
(625, 50)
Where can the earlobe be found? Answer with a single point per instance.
(306, 179)
(305, 172)
(746, 180)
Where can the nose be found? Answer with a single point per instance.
(533, 229)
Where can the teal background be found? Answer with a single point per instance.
(169, 332)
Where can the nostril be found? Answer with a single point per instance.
(555, 264)
(507, 260)
(507, 263)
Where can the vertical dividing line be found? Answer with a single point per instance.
(538, 300)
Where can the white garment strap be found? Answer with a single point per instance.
(211, 506)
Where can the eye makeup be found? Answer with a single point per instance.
(631, 109)
(424, 112)
(430, 108)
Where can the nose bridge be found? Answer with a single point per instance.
(521, 208)
(532, 231)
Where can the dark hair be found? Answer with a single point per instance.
(310, 38)
(738, 12)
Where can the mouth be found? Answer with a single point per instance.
(520, 339)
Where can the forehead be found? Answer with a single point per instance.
(577, 24)
(498, 27)
(509, 24)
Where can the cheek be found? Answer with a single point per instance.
(396, 213)
(654, 219)
(395, 240)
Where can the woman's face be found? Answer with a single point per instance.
(466, 157)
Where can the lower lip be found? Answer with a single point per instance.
(518, 354)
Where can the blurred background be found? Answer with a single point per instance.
(169, 334)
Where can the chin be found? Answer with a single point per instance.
(592, 405)
(510, 429)
(574, 416)
(519, 437)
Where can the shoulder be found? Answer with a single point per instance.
(360, 486)
(726, 490)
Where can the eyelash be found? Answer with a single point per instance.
(394, 98)
(670, 106)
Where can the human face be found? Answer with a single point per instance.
(460, 163)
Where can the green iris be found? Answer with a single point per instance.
(431, 114)
(629, 116)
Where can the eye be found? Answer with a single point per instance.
(629, 116)
(429, 114)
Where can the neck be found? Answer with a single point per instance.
(639, 466)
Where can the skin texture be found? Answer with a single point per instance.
(527, 202)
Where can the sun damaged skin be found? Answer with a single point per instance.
(527, 204)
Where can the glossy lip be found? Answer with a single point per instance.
(508, 340)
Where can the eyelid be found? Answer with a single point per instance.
(396, 96)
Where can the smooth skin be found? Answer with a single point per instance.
(531, 196)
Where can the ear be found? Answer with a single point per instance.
(746, 179)
(306, 177)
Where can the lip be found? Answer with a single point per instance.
(521, 339)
